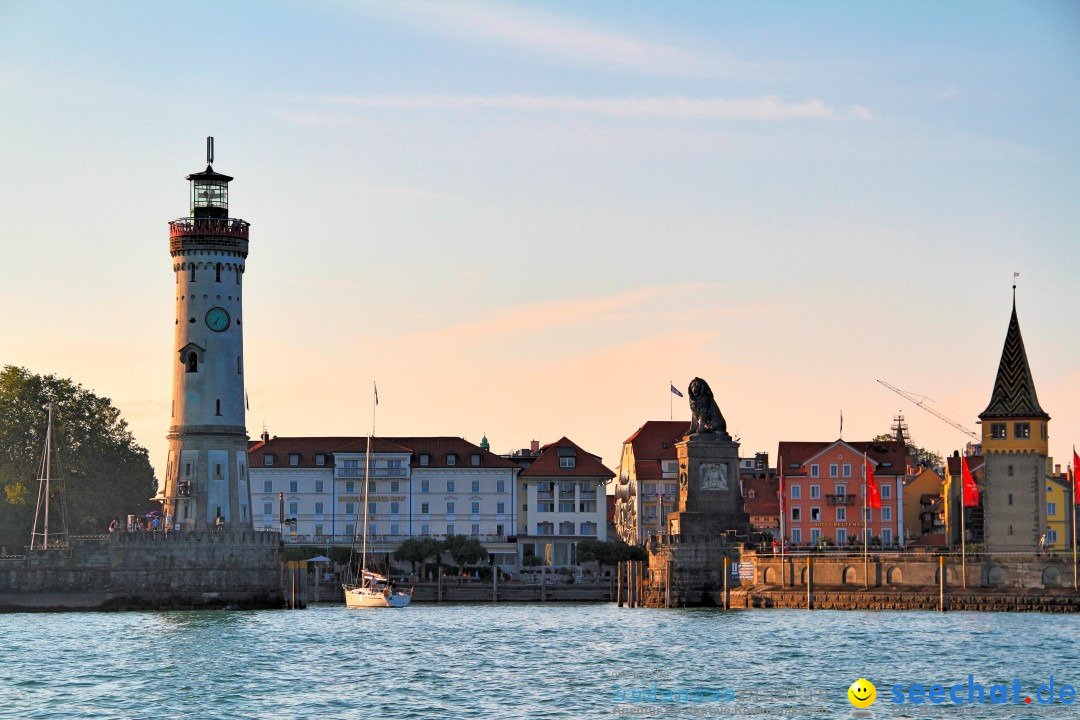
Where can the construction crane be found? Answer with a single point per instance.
(919, 400)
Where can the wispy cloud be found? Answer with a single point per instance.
(768, 107)
(559, 37)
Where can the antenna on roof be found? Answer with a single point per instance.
(209, 149)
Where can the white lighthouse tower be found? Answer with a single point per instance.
(207, 475)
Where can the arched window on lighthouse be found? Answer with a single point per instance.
(217, 273)
(193, 272)
(192, 363)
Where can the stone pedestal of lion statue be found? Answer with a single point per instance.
(710, 521)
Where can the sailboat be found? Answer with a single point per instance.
(48, 495)
(369, 589)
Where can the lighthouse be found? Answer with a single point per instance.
(206, 479)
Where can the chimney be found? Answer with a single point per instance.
(266, 435)
(534, 446)
(1057, 468)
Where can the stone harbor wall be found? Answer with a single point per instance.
(148, 570)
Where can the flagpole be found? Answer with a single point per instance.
(865, 544)
(963, 532)
(670, 401)
(1074, 506)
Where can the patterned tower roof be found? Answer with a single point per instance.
(1014, 390)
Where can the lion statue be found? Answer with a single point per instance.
(705, 414)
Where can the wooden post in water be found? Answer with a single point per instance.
(438, 595)
(667, 583)
(809, 584)
(543, 583)
(941, 584)
(618, 587)
(317, 582)
(727, 598)
(494, 584)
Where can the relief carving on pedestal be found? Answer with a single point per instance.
(713, 476)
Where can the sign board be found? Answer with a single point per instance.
(746, 570)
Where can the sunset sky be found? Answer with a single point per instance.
(525, 219)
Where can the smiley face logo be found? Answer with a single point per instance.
(862, 693)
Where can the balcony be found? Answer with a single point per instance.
(587, 495)
(225, 233)
(566, 494)
(351, 472)
(844, 500)
(545, 495)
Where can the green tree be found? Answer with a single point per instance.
(418, 550)
(919, 455)
(465, 550)
(610, 552)
(105, 472)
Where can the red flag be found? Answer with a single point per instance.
(873, 497)
(1076, 477)
(971, 490)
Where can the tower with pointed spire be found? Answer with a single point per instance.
(1015, 447)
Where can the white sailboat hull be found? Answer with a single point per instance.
(361, 597)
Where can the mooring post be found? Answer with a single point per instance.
(809, 584)
(618, 578)
(727, 598)
(667, 583)
(941, 584)
(439, 591)
(495, 584)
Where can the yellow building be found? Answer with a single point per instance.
(922, 503)
(1058, 502)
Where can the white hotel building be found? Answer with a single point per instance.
(420, 486)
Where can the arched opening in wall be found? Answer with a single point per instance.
(1051, 577)
(217, 410)
(770, 576)
(192, 363)
(237, 276)
(192, 272)
(804, 578)
(849, 575)
(995, 576)
(217, 273)
(894, 576)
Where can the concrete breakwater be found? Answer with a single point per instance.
(474, 591)
(148, 570)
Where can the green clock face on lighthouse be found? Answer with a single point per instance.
(217, 319)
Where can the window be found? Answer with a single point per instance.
(815, 514)
(268, 508)
(318, 508)
(847, 469)
(796, 535)
(187, 469)
(318, 529)
(475, 507)
(1010, 497)
(886, 514)
(1021, 431)
(192, 273)
(545, 506)
(500, 530)
(475, 529)
(796, 514)
(449, 486)
(425, 529)
(815, 471)
(1051, 536)
(650, 489)
(1051, 508)
(566, 528)
(1010, 475)
(268, 486)
(239, 365)
(545, 528)
(568, 462)
(869, 514)
(476, 486)
(371, 510)
(474, 459)
(425, 486)
(815, 492)
(500, 508)
(423, 508)
(425, 459)
(886, 536)
(841, 514)
(350, 529)
(1010, 529)
(294, 508)
(841, 536)
(393, 486)
(500, 486)
(217, 408)
(292, 486)
(294, 460)
(395, 509)
(350, 508)
(395, 529)
(268, 459)
(320, 459)
(217, 273)
(841, 490)
(796, 492)
(566, 506)
(834, 470)
(588, 506)
(451, 459)
(450, 530)
(997, 431)
(588, 528)
(886, 491)
(350, 486)
(372, 486)
(449, 507)
(318, 486)
(815, 536)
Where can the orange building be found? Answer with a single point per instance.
(824, 491)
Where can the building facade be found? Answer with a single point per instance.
(648, 485)
(824, 492)
(206, 476)
(924, 514)
(1015, 432)
(953, 497)
(563, 492)
(419, 487)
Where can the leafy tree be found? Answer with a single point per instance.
(465, 550)
(919, 455)
(532, 561)
(105, 472)
(610, 552)
(417, 550)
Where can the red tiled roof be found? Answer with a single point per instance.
(547, 465)
(877, 451)
(436, 447)
(975, 463)
(655, 441)
(766, 501)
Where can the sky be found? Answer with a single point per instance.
(525, 219)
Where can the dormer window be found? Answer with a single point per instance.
(320, 459)
(568, 462)
(268, 459)
(451, 459)
(294, 459)
(425, 459)
(475, 458)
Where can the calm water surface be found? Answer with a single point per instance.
(502, 661)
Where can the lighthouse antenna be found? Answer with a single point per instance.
(209, 149)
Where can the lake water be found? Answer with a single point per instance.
(505, 661)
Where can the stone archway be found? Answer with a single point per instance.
(804, 577)
(995, 576)
(770, 576)
(894, 576)
(850, 576)
(1051, 577)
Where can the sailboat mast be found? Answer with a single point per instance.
(367, 488)
(48, 474)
